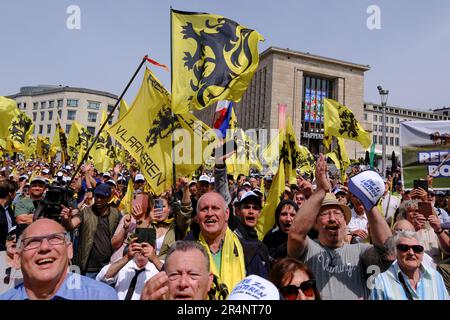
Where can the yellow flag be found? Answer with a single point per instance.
(8, 111)
(20, 131)
(59, 143)
(340, 158)
(103, 153)
(78, 141)
(125, 205)
(246, 156)
(295, 157)
(339, 121)
(266, 220)
(31, 148)
(214, 58)
(123, 108)
(43, 148)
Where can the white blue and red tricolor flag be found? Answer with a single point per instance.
(222, 116)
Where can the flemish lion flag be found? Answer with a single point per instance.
(213, 58)
(43, 148)
(8, 111)
(267, 218)
(340, 158)
(20, 131)
(339, 121)
(78, 141)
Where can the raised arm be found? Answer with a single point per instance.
(379, 229)
(307, 213)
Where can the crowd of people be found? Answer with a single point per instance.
(106, 236)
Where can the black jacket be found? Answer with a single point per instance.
(4, 225)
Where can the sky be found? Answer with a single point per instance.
(408, 54)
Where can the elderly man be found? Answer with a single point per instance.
(186, 274)
(231, 258)
(339, 267)
(408, 278)
(43, 252)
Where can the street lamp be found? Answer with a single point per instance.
(384, 96)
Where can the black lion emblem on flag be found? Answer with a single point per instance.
(162, 126)
(214, 69)
(19, 127)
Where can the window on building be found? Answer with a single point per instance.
(397, 130)
(35, 105)
(34, 116)
(24, 106)
(50, 115)
(375, 140)
(49, 128)
(72, 103)
(110, 108)
(375, 127)
(110, 121)
(397, 120)
(91, 130)
(59, 113)
(43, 104)
(93, 105)
(380, 128)
(365, 116)
(314, 91)
(71, 114)
(51, 104)
(391, 129)
(42, 115)
(92, 116)
(391, 140)
(387, 140)
(19, 105)
(375, 117)
(59, 103)
(41, 128)
(397, 141)
(68, 128)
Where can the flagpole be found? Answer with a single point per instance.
(107, 119)
(174, 174)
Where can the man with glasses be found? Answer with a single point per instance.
(43, 252)
(340, 268)
(408, 278)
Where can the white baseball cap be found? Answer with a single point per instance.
(204, 178)
(139, 177)
(254, 287)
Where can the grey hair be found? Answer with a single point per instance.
(391, 242)
(402, 210)
(185, 246)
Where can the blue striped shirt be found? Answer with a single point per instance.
(387, 285)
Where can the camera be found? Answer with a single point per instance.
(50, 206)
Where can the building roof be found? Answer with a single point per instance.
(307, 55)
(43, 90)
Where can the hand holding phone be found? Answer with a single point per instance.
(425, 208)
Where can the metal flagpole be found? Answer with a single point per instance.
(107, 119)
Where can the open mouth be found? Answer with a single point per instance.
(46, 261)
(250, 218)
(210, 221)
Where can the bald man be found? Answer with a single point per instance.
(43, 253)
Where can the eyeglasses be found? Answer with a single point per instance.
(290, 292)
(35, 242)
(405, 248)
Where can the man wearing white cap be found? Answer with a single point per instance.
(340, 268)
(139, 182)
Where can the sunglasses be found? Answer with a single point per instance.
(290, 292)
(405, 248)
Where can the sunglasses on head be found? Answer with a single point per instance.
(290, 292)
(405, 248)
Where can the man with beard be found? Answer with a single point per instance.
(339, 267)
(97, 225)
